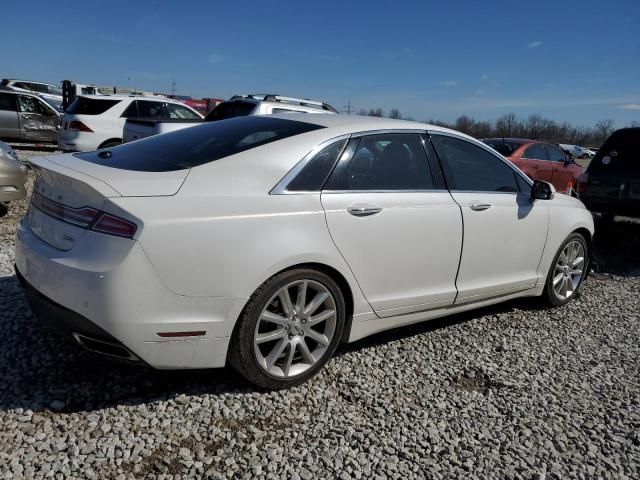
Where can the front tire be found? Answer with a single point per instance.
(289, 329)
(568, 270)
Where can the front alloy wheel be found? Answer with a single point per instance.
(289, 329)
(567, 271)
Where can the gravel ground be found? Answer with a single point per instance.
(512, 391)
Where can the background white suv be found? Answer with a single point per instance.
(96, 121)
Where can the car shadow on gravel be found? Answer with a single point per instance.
(41, 373)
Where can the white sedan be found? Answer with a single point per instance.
(266, 241)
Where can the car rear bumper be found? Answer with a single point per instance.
(12, 186)
(105, 289)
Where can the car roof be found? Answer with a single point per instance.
(20, 92)
(356, 123)
(30, 81)
(127, 97)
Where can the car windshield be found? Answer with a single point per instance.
(620, 154)
(504, 147)
(198, 145)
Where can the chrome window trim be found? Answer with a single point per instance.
(491, 151)
(281, 186)
(385, 131)
(332, 192)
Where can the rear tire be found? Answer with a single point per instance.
(4, 209)
(289, 329)
(567, 271)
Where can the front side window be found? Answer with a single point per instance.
(555, 154)
(392, 161)
(178, 111)
(471, 168)
(535, 152)
(201, 144)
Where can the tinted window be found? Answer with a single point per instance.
(471, 168)
(90, 106)
(201, 144)
(620, 154)
(178, 111)
(131, 111)
(523, 185)
(39, 87)
(316, 171)
(7, 102)
(504, 147)
(535, 152)
(230, 110)
(555, 154)
(393, 161)
(147, 109)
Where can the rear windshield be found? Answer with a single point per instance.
(198, 145)
(90, 106)
(620, 154)
(503, 147)
(230, 110)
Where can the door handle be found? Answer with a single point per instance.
(363, 210)
(478, 207)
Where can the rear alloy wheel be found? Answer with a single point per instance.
(289, 330)
(567, 271)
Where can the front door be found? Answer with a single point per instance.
(535, 163)
(504, 231)
(38, 121)
(565, 172)
(400, 235)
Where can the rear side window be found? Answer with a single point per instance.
(471, 168)
(504, 147)
(198, 145)
(620, 154)
(7, 102)
(230, 110)
(90, 106)
(315, 173)
(535, 152)
(390, 161)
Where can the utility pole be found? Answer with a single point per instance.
(348, 107)
(173, 86)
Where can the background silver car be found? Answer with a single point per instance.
(13, 176)
(26, 117)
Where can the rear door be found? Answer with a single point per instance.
(397, 228)
(9, 122)
(536, 163)
(504, 231)
(38, 121)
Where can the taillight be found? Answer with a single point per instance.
(583, 183)
(77, 125)
(85, 217)
(113, 225)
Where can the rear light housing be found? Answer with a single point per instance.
(85, 217)
(583, 184)
(79, 126)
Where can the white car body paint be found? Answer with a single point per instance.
(209, 236)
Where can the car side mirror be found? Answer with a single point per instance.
(542, 190)
(569, 161)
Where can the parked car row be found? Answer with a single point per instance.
(47, 91)
(539, 161)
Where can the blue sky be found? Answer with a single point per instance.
(577, 61)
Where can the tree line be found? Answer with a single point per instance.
(535, 127)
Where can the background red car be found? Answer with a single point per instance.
(540, 161)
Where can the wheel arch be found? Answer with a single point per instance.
(589, 239)
(109, 141)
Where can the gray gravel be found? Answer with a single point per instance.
(512, 391)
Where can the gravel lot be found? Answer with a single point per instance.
(512, 391)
